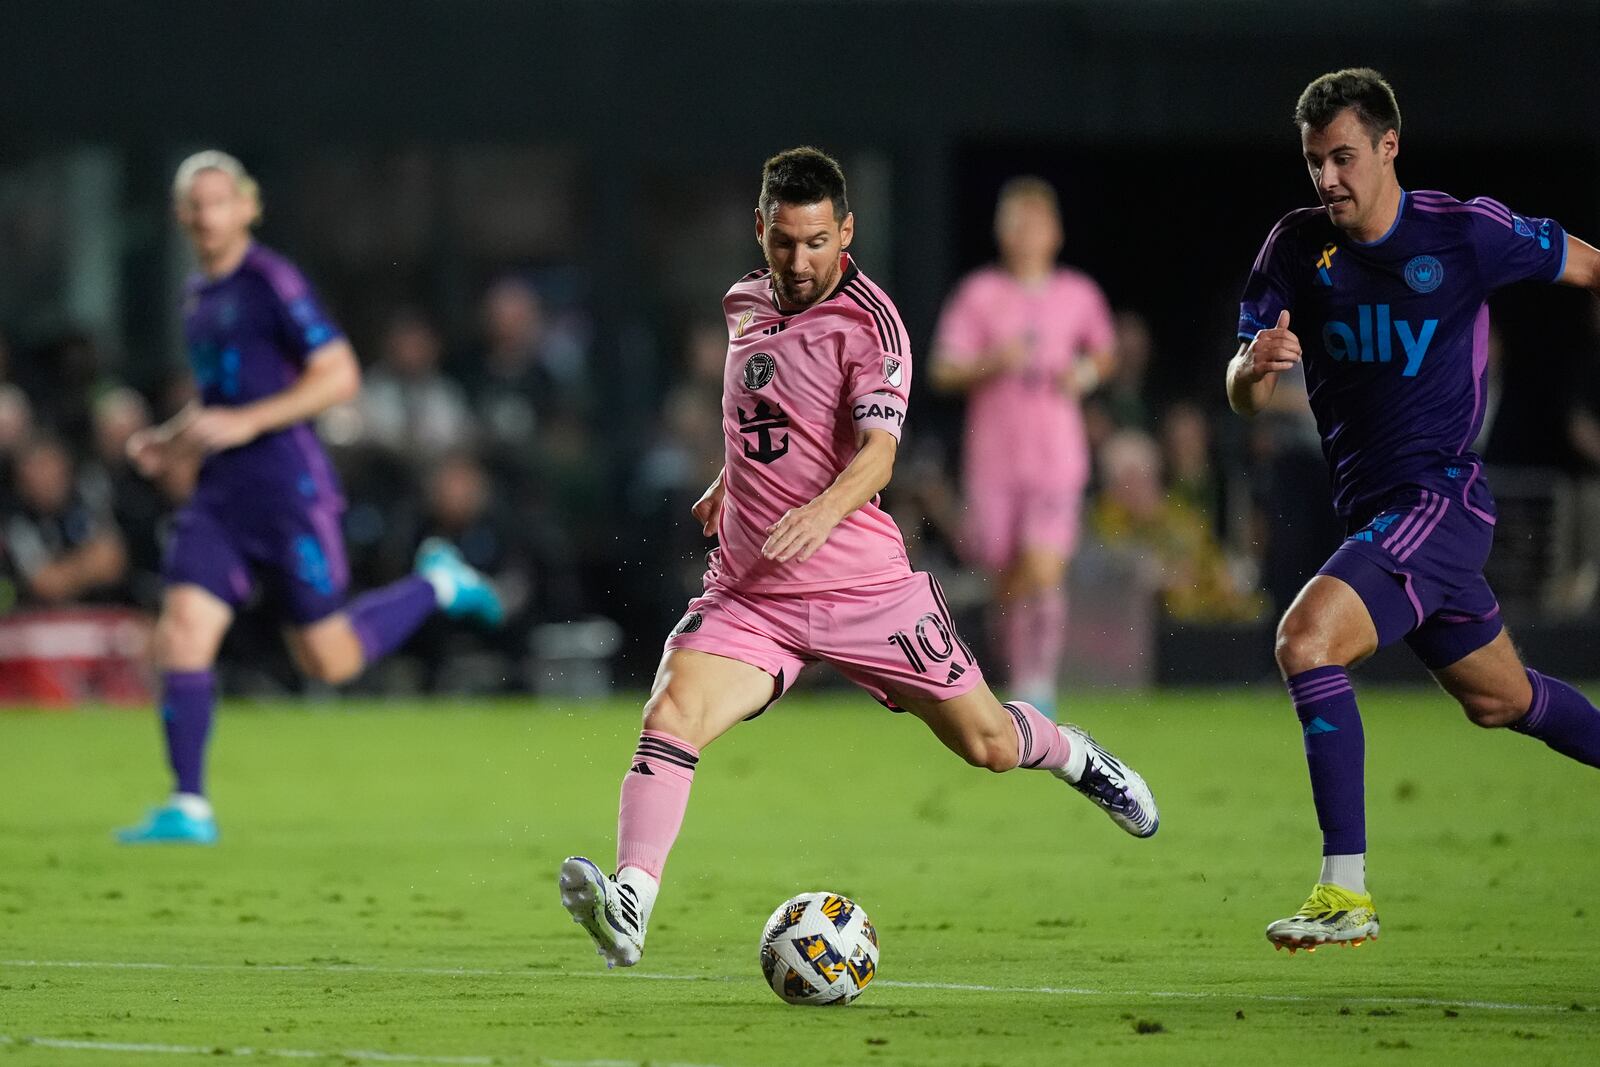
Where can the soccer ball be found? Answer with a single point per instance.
(819, 948)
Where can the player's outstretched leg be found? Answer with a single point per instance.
(1116, 788)
(1562, 718)
(461, 591)
(1003, 737)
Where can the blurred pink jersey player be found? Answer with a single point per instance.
(810, 568)
(1024, 339)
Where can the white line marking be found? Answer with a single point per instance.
(957, 987)
(366, 1055)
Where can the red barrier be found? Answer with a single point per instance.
(63, 657)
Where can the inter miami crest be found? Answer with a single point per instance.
(758, 370)
(688, 624)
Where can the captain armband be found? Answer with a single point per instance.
(879, 411)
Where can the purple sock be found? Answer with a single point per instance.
(384, 618)
(1336, 754)
(187, 699)
(1562, 718)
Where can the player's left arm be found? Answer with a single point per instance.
(1097, 353)
(803, 530)
(332, 376)
(1089, 371)
(1582, 269)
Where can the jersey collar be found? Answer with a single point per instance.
(1398, 215)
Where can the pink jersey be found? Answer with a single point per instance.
(798, 388)
(1023, 428)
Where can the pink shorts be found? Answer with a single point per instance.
(1002, 522)
(893, 637)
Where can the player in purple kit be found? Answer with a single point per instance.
(266, 359)
(1387, 288)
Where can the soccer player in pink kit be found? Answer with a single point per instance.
(811, 568)
(1025, 338)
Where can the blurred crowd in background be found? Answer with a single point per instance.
(500, 435)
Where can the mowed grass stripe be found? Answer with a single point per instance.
(882, 983)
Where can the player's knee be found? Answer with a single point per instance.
(1300, 645)
(1045, 575)
(664, 713)
(183, 641)
(991, 752)
(328, 669)
(1490, 711)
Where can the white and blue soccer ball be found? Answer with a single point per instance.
(819, 948)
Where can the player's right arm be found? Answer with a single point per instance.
(957, 373)
(1254, 369)
(151, 449)
(966, 352)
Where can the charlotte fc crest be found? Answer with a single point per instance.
(758, 370)
(1424, 274)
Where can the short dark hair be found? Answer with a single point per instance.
(803, 175)
(1360, 88)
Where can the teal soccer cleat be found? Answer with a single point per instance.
(464, 593)
(171, 825)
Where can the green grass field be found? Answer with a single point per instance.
(385, 892)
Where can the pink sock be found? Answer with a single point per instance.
(1039, 744)
(655, 792)
(1049, 635)
(1018, 622)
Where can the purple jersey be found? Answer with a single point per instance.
(1395, 332)
(249, 334)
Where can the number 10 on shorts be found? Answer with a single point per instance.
(930, 639)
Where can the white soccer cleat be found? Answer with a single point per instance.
(614, 911)
(1117, 789)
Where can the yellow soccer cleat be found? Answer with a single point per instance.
(1331, 915)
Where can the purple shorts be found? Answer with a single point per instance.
(1417, 564)
(295, 550)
